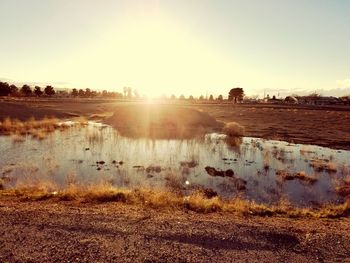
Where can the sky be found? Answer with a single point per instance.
(190, 47)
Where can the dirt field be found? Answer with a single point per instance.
(325, 126)
(114, 232)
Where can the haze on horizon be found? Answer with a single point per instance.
(178, 47)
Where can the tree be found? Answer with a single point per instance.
(26, 90)
(236, 94)
(220, 98)
(74, 92)
(314, 95)
(37, 91)
(4, 89)
(49, 91)
(190, 97)
(88, 92)
(81, 93)
(13, 89)
(211, 97)
(201, 97)
(182, 97)
(173, 97)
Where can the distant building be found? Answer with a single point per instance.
(318, 100)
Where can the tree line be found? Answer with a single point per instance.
(49, 91)
(12, 90)
(235, 94)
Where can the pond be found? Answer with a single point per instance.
(265, 171)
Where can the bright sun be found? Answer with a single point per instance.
(155, 57)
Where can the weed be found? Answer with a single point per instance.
(284, 175)
(323, 165)
(233, 129)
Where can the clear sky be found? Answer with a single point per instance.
(179, 46)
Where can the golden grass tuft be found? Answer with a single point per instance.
(233, 129)
(161, 199)
(344, 189)
(37, 128)
(322, 165)
(303, 176)
(199, 203)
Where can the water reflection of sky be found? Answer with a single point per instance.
(76, 151)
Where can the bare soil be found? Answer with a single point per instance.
(114, 232)
(324, 126)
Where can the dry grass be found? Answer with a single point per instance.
(323, 165)
(233, 129)
(303, 176)
(160, 199)
(37, 128)
(344, 189)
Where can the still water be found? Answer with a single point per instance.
(96, 153)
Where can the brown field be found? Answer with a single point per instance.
(325, 126)
(104, 227)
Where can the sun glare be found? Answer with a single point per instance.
(155, 57)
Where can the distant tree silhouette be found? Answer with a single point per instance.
(49, 91)
(211, 97)
(201, 97)
(74, 92)
(26, 90)
(5, 89)
(191, 97)
(236, 94)
(173, 97)
(182, 97)
(13, 89)
(37, 91)
(220, 98)
(81, 93)
(88, 93)
(314, 95)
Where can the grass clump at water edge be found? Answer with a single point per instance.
(169, 200)
(38, 129)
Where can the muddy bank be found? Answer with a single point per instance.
(113, 232)
(162, 121)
